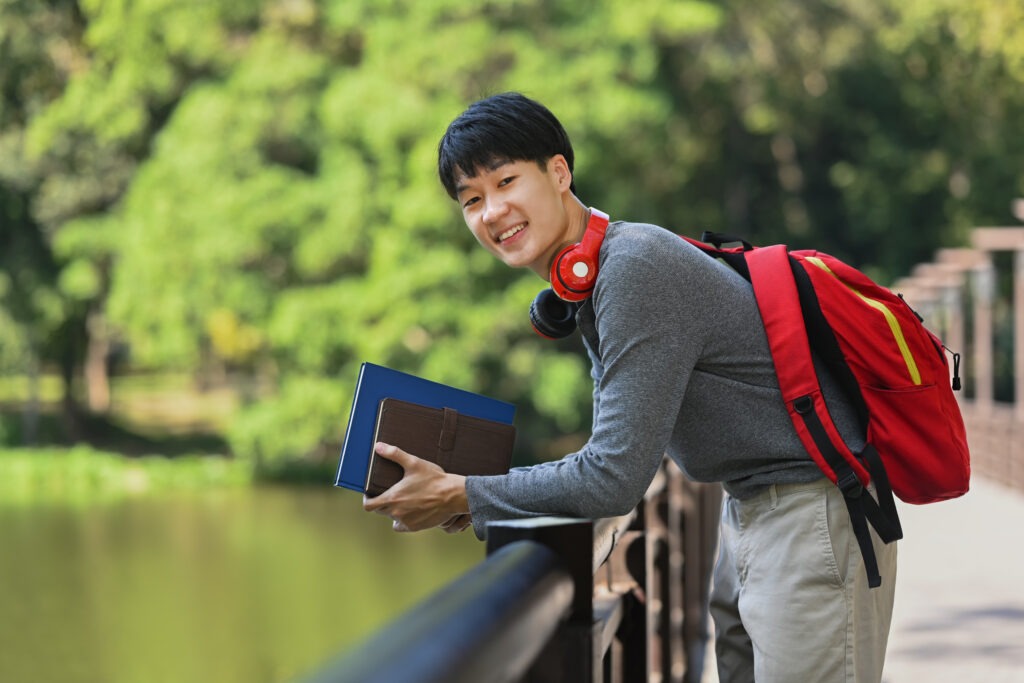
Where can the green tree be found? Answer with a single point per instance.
(876, 131)
(288, 222)
(245, 189)
(37, 54)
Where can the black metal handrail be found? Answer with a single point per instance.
(487, 625)
(560, 599)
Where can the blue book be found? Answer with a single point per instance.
(376, 383)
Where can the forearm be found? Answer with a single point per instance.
(585, 485)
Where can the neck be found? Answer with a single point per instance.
(577, 217)
(579, 214)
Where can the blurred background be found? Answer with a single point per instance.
(211, 212)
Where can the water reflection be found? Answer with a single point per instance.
(246, 585)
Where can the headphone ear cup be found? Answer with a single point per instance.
(551, 316)
(573, 273)
(574, 268)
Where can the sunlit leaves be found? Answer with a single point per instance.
(250, 185)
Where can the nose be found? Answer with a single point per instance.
(494, 208)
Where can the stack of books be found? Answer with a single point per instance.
(462, 431)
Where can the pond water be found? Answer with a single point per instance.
(254, 585)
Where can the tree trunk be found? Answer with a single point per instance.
(97, 364)
(31, 409)
(73, 430)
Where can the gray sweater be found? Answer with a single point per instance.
(680, 366)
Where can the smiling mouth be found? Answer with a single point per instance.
(511, 232)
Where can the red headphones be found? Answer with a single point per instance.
(574, 270)
(573, 274)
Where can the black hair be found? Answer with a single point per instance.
(505, 127)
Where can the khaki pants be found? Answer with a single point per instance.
(791, 601)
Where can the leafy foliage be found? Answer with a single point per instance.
(247, 187)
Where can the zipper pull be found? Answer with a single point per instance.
(956, 369)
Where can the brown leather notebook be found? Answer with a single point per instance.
(460, 444)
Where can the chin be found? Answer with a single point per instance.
(511, 258)
(517, 261)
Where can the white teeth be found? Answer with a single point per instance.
(511, 231)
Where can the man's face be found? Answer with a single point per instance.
(515, 209)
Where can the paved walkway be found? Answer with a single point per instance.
(959, 613)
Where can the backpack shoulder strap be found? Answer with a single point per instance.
(734, 257)
(774, 276)
(775, 288)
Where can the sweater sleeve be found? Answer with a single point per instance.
(650, 337)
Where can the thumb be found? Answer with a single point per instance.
(393, 453)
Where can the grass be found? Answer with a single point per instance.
(80, 474)
(161, 433)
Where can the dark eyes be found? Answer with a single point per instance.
(501, 183)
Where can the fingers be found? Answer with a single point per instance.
(393, 453)
(420, 522)
(396, 455)
(425, 497)
(457, 523)
(376, 504)
(416, 477)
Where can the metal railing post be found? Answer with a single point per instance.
(569, 655)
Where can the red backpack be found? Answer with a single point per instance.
(892, 369)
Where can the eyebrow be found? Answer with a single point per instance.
(494, 165)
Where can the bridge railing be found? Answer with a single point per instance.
(566, 600)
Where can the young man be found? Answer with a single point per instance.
(681, 366)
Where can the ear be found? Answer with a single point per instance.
(558, 168)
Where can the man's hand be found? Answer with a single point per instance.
(424, 498)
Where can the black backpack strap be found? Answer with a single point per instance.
(858, 520)
(734, 258)
(863, 508)
(720, 238)
(824, 343)
(881, 515)
(859, 503)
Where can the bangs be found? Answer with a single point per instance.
(498, 130)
